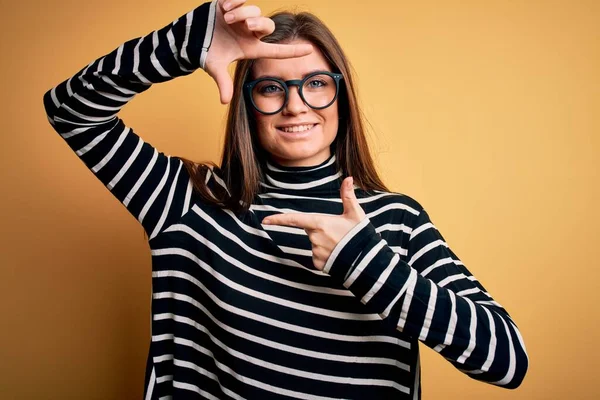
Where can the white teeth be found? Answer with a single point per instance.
(299, 128)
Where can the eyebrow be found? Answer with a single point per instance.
(308, 73)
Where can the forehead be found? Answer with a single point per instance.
(291, 68)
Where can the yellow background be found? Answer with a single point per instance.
(484, 111)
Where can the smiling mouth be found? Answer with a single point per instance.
(296, 129)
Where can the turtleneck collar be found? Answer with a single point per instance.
(323, 179)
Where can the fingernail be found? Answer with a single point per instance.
(228, 17)
(251, 24)
(226, 6)
(266, 221)
(350, 183)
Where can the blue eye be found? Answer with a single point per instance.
(269, 88)
(319, 83)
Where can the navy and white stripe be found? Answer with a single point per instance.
(238, 309)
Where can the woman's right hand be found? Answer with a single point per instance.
(239, 38)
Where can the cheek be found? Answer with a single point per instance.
(332, 119)
(264, 129)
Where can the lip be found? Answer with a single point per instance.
(296, 124)
(296, 135)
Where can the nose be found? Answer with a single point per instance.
(294, 105)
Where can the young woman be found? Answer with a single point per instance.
(290, 271)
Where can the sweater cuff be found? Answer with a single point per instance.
(342, 260)
(211, 10)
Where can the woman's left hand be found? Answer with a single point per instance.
(325, 231)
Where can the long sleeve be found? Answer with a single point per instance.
(154, 187)
(432, 296)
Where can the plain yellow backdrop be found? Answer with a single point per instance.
(487, 112)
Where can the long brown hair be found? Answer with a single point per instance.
(243, 158)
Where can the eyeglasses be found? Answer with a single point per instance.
(270, 95)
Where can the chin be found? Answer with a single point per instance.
(309, 149)
(300, 158)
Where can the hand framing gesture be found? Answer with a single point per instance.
(238, 30)
(325, 231)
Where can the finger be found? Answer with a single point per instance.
(228, 5)
(224, 83)
(304, 221)
(271, 50)
(349, 200)
(318, 263)
(261, 26)
(241, 14)
(320, 252)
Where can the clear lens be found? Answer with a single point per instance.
(318, 90)
(268, 96)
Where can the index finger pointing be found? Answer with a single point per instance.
(305, 221)
(274, 50)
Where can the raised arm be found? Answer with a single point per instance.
(432, 296)
(153, 186)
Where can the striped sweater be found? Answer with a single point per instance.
(238, 309)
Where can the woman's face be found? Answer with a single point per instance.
(306, 148)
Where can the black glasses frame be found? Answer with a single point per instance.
(249, 86)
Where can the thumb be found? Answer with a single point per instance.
(224, 83)
(349, 200)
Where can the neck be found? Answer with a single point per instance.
(322, 179)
